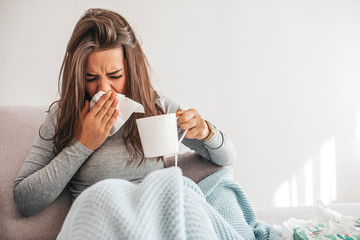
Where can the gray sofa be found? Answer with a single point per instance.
(19, 126)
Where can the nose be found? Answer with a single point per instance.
(103, 85)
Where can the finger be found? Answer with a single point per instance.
(192, 133)
(106, 106)
(179, 112)
(98, 106)
(110, 112)
(85, 109)
(189, 124)
(195, 132)
(187, 115)
(112, 120)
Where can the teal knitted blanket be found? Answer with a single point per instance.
(165, 205)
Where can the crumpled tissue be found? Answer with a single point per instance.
(328, 224)
(126, 107)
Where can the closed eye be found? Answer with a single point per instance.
(116, 77)
(89, 79)
(92, 79)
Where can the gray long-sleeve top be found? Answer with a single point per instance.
(44, 176)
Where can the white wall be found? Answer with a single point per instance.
(280, 78)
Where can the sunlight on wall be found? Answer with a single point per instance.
(294, 191)
(358, 125)
(282, 195)
(287, 193)
(309, 181)
(328, 171)
(300, 190)
(356, 141)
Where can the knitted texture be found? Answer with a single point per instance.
(230, 200)
(165, 205)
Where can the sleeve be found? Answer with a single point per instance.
(219, 149)
(44, 176)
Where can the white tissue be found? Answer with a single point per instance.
(126, 107)
(334, 222)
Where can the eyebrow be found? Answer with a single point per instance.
(111, 73)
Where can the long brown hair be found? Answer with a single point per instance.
(100, 29)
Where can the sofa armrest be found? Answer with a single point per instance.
(19, 126)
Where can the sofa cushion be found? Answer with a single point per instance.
(193, 165)
(19, 126)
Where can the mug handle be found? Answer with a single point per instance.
(181, 138)
(183, 135)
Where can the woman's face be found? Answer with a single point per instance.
(105, 71)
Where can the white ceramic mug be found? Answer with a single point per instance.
(159, 135)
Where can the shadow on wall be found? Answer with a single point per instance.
(317, 178)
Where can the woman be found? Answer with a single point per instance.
(73, 146)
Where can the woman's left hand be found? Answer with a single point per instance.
(192, 120)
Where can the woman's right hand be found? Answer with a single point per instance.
(95, 125)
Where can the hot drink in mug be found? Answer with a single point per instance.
(159, 135)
